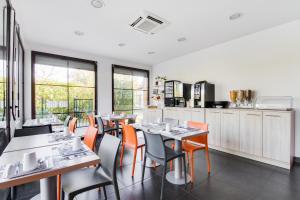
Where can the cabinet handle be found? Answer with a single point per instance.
(215, 112)
(272, 115)
(254, 115)
(227, 113)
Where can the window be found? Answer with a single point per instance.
(2, 83)
(63, 86)
(130, 89)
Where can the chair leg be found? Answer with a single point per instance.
(192, 167)
(134, 159)
(59, 187)
(163, 182)
(141, 153)
(144, 166)
(63, 195)
(104, 191)
(207, 159)
(184, 168)
(122, 154)
(116, 190)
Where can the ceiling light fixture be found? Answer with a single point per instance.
(121, 44)
(97, 3)
(235, 16)
(151, 52)
(79, 33)
(181, 39)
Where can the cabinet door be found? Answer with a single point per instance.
(230, 137)
(151, 115)
(198, 116)
(183, 115)
(276, 135)
(167, 113)
(251, 132)
(213, 118)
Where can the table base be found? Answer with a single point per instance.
(150, 163)
(48, 188)
(177, 181)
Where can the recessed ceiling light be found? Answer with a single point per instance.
(79, 33)
(121, 44)
(151, 52)
(235, 16)
(97, 3)
(181, 39)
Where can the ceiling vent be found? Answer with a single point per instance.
(149, 23)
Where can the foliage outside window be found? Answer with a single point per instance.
(63, 87)
(130, 90)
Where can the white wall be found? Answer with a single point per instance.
(104, 73)
(267, 62)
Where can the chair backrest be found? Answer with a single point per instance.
(200, 125)
(33, 130)
(155, 145)
(171, 121)
(91, 119)
(129, 136)
(72, 125)
(90, 137)
(67, 120)
(108, 152)
(100, 125)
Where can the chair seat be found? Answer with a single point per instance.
(188, 146)
(83, 180)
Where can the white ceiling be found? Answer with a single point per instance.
(203, 22)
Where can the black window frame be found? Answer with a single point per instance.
(113, 88)
(37, 53)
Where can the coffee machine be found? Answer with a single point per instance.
(177, 93)
(204, 94)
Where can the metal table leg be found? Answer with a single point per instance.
(177, 176)
(48, 188)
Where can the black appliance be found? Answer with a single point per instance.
(204, 94)
(177, 93)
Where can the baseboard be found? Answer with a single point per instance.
(297, 160)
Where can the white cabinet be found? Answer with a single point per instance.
(213, 118)
(198, 115)
(251, 132)
(184, 115)
(277, 135)
(170, 113)
(230, 137)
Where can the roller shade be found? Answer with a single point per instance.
(131, 72)
(60, 62)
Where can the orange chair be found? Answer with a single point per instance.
(72, 125)
(92, 121)
(195, 144)
(90, 137)
(131, 140)
(90, 141)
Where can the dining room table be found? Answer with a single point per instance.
(54, 157)
(116, 118)
(178, 133)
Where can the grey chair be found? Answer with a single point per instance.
(67, 120)
(86, 179)
(33, 130)
(157, 151)
(102, 129)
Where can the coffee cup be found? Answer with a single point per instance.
(168, 127)
(29, 161)
(185, 124)
(66, 131)
(76, 144)
(9, 171)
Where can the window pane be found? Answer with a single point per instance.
(81, 99)
(122, 81)
(140, 83)
(122, 99)
(80, 77)
(51, 99)
(140, 99)
(52, 75)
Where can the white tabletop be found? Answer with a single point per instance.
(182, 133)
(45, 121)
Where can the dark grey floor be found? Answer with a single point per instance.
(232, 178)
